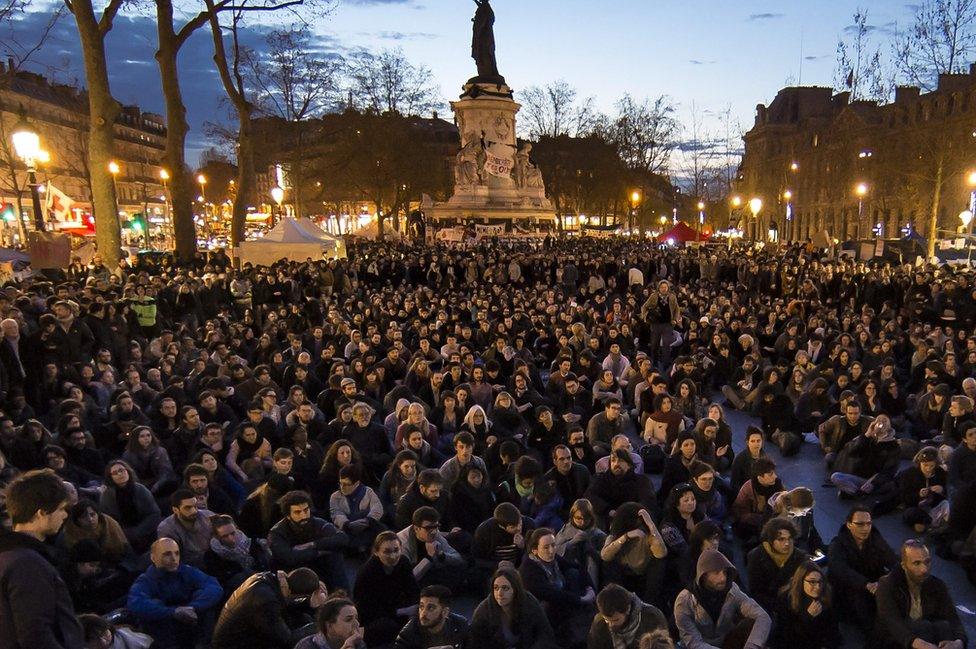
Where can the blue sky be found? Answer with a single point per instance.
(711, 53)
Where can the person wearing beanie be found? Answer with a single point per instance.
(714, 612)
(254, 616)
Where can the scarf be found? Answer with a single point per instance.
(248, 449)
(779, 558)
(523, 491)
(552, 570)
(627, 635)
(239, 554)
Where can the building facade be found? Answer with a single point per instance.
(59, 113)
(858, 169)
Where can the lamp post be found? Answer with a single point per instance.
(27, 146)
(755, 206)
(277, 195)
(788, 197)
(164, 179)
(635, 199)
(701, 215)
(860, 190)
(966, 216)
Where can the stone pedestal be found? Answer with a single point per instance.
(493, 178)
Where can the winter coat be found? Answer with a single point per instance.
(156, 594)
(252, 617)
(455, 634)
(35, 606)
(533, 630)
(850, 568)
(894, 603)
(652, 621)
(696, 627)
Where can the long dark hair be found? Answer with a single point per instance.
(794, 588)
(518, 590)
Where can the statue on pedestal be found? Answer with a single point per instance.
(527, 174)
(483, 43)
(470, 162)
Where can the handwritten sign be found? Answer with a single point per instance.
(49, 250)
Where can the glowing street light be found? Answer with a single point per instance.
(794, 166)
(966, 216)
(701, 213)
(736, 201)
(860, 190)
(27, 146)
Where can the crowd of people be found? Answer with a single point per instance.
(343, 454)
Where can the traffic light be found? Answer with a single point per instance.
(8, 213)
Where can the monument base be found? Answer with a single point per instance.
(491, 187)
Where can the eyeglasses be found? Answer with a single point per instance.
(816, 581)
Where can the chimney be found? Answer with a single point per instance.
(434, 116)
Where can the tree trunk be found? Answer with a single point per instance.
(103, 111)
(933, 228)
(245, 175)
(181, 187)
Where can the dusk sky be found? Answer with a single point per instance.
(713, 53)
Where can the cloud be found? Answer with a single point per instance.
(889, 28)
(817, 57)
(764, 16)
(133, 71)
(406, 36)
(700, 62)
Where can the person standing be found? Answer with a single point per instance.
(662, 314)
(35, 606)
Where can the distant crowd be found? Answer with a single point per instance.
(341, 454)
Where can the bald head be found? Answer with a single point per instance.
(10, 328)
(165, 554)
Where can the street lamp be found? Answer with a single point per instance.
(860, 190)
(27, 146)
(277, 195)
(971, 180)
(788, 197)
(701, 214)
(794, 166)
(635, 199)
(773, 232)
(755, 205)
(966, 216)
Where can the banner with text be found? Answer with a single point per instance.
(481, 230)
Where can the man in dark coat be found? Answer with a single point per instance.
(914, 606)
(857, 559)
(255, 615)
(35, 606)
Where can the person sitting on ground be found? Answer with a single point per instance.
(232, 556)
(429, 552)
(501, 538)
(386, 590)
(174, 602)
(623, 620)
(356, 509)
(714, 612)
(510, 616)
(915, 608)
(189, 526)
(258, 615)
(751, 508)
(806, 617)
(337, 624)
(857, 558)
(302, 540)
(564, 591)
(434, 624)
(771, 565)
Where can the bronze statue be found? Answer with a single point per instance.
(483, 43)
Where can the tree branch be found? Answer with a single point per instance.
(108, 15)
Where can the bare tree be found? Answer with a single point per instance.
(861, 68)
(171, 39)
(645, 132)
(941, 40)
(389, 82)
(296, 84)
(555, 109)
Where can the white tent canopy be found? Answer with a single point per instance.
(292, 239)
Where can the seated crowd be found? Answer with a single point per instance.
(504, 446)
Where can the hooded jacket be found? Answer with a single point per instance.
(35, 606)
(697, 628)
